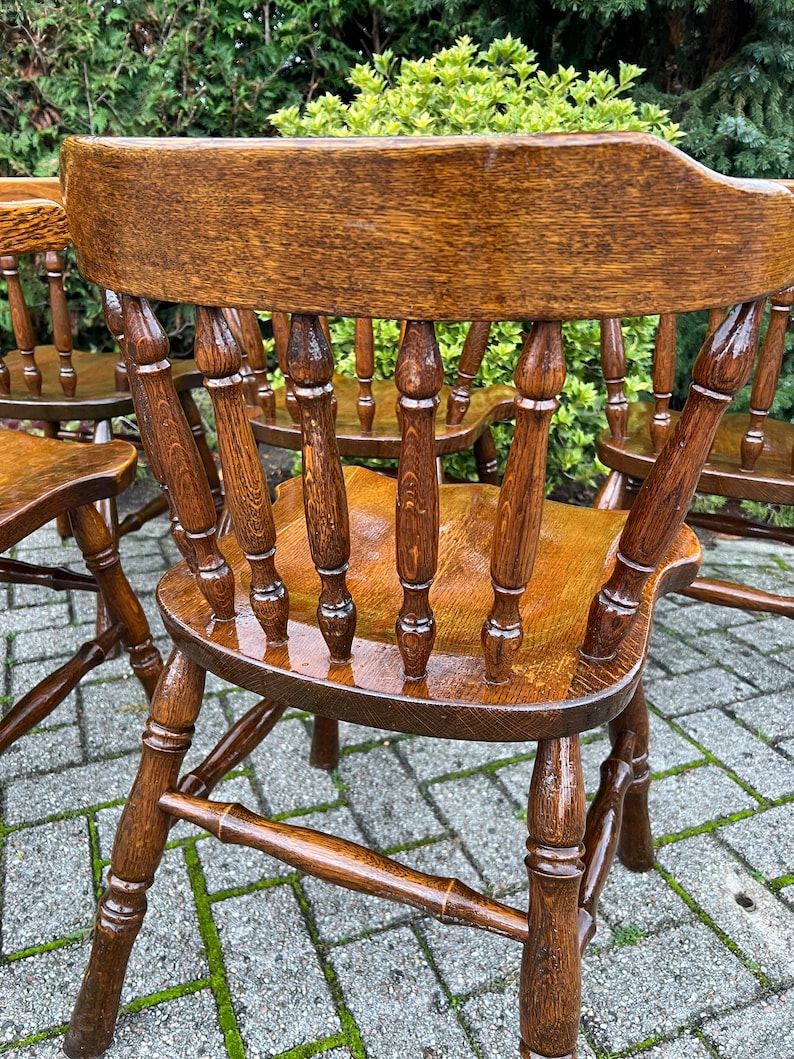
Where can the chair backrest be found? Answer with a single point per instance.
(540, 228)
(34, 204)
(749, 445)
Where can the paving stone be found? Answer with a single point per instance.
(689, 799)
(25, 676)
(492, 1019)
(340, 913)
(114, 716)
(771, 715)
(675, 654)
(689, 692)
(49, 884)
(687, 1047)
(757, 764)
(385, 799)
(278, 988)
(765, 840)
(478, 811)
(774, 633)
(37, 992)
(766, 673)
(744, 909)
(362, 734)
(281, 764)
(642, 900)
(636, 992)
(702, 617)
(34, 596)
(48, 642)
(396, 1000)
(430, 758)
(25, 619)
(765, 1030)
(470, 960)
(169, 950)
(70, 790)
(42, 751)
(667, 748)
(166, 1029)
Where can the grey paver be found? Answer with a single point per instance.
(277, 984)
(687, 1047)
(385, 798)
(43, 865)
(745, 910)
(430, 758)
(281, 764)
(690, 692)
(486, 821)
(774, 633)
(764, 1030)
(765, 673)
(72, 789)
(692, 798)
(650, 989)
(41, 751)
(765, 840)
(396, 1000)
(766, 771)
(38, 991)
(771, 715)
(640, 900)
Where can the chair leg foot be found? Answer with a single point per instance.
(635, 846)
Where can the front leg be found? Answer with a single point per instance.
(551, 975)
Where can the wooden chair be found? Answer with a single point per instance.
(461, 611)
(366, 415)
(751, 458)
(56, 384)
(40, 479)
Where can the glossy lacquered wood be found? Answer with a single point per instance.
(751, 456)
(54, 383)
(449, 610)
(41, 479)
(371, 238)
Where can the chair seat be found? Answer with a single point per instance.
(771, 480)
(96, 379)
(41, 478)
(577, 546)
(488, 405)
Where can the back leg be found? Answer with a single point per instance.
(635, 846)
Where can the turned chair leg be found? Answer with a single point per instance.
(324, 753)
(102, 559)
(551, 975)
(635, 846)
(140, 841)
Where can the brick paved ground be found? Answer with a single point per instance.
(242, 958)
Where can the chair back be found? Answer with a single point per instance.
(537, 228)
(33, 222)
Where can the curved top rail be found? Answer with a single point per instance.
(464, 228)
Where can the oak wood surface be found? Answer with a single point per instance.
(386, 223)
(575, 551)
(40, 478)
(460, 611)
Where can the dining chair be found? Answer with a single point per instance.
(72, 393)
(367, 419)
(460, 611)
(751, 457)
